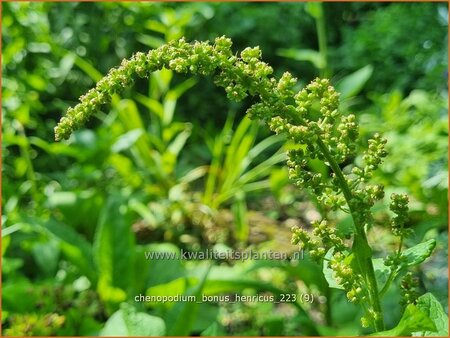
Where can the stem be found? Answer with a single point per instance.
(394, 271)
(322, 38)
(361, 246)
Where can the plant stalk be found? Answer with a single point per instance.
(361, 246)
(322, 39)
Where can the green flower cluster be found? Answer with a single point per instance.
(240, 76)
(399, 205)
(311, 119)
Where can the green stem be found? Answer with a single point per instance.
(361, 246)
(394, 271)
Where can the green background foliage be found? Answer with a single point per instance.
(173, 165)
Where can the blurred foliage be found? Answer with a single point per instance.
(78, 217)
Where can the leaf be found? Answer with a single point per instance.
(180, 140)
(353, 83)
(186, 310)
(173, 288)
(151, 41)
(46, 255)
(434, 310)
(114, 249)
(153, 105)
(381, 271)
(310, 55)
(239, 208)
(180, 89)
(418, 253)
(76, 249)
(328, 272)
(128, 322)
(413, 320)
(11, 229)
(126, 140)
(162, 270)
(6, 240)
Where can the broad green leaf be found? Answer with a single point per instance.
(418, 253)
(428, 304)
(213, 330)
(207, 314)
(381, 271)
(173, 288)
(128, 322)
(114, 250)
(186, 310)
(309, 55)
(162, 270)
(353, 83)
(413, 320)
(76, 249)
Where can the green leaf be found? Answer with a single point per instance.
(309, 55)
(434, 310)
(418, 253)
(76, 249)
(413, 320)
(151, 41)
(153, 105)
(180, 89)
(239, 207)
(46, 255)
(114, 249)
(353, 83)
(128, 322)
(173, 288)
(180, 140)
(187, 311)
(314, 9)
(381, 271)
(213, 330)
(6, 240)
(162, 270)
(126, 140)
